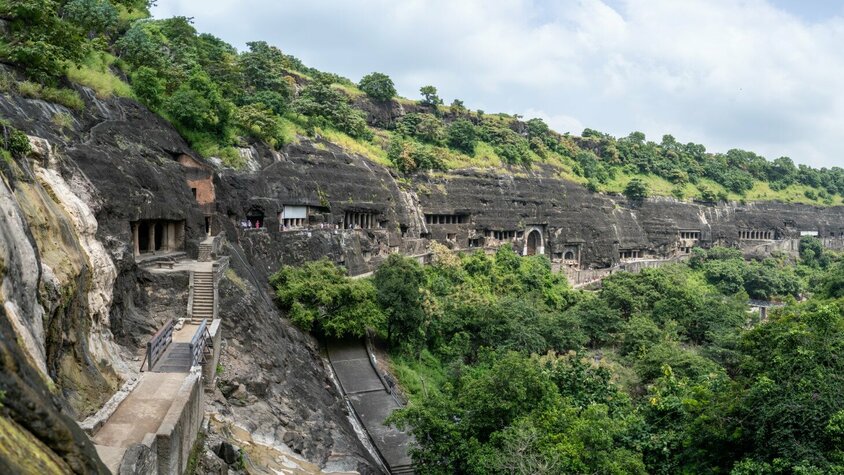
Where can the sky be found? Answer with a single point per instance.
(761, 75)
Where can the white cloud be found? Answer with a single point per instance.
(719, 72)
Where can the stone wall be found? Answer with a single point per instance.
(178, 431)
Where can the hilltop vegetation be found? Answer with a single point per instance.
(220, 98)
(508, 370)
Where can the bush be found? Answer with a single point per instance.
(320, 297)
(378, 86)
(149, 86)
(422, 126)
(325, 106)
(462, 136)
(14, 141)
(706, 194)
(409, 156)
(636, 190)
(257, 121)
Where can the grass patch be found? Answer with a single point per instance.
(351, 91)
(368, 150)
(196, 452)
(62, 120)
(29, 89)
(95, 72)
(7, 81)
(66, 97)
(208, 146)
(418, 377)
(290, 130)
(235, 279)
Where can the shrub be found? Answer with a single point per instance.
(320, 297)
(259, 122)
(409, 156)
(422, 126)
(378, 86)
(14, 141)
(636, 190)
(462, 136)
(706, 194)
(149, 86)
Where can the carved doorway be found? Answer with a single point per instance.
(534, 242)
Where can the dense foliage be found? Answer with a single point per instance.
(319, 297)
(510, 371)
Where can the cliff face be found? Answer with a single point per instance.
(77, 308)
(483, 208)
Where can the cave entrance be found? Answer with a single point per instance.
(142, 240)
(154, 235)
(255, 219)
(569, 256)
(534, 242)
(158, 236)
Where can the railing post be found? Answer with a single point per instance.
(149, 355)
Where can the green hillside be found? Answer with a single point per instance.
(220, 98)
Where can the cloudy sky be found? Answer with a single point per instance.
(766, 76)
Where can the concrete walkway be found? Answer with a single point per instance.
(144, 409)
(141, 413)
(371, 401)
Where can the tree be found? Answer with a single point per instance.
(39, 40)
(463, 136)
(636, 190)
(457, 107)
(149, 86)
(811, 251)
(263, 68)
(198, 105)
(430, 97)
(325, 106)
(259, 122)
(398, 282)
(93, 16)
(378, 86)
(320, 297)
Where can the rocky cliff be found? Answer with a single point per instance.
(77, 307)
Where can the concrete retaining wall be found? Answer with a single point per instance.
(577, 277)
(178, 431)
(209, 368)
(140, 459)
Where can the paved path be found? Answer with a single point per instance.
(139, 414)
(143, 410)
(371, 401)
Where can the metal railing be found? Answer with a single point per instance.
(199, 342)
(158, 343)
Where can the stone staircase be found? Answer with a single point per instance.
(203, 296)
(205, 249)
